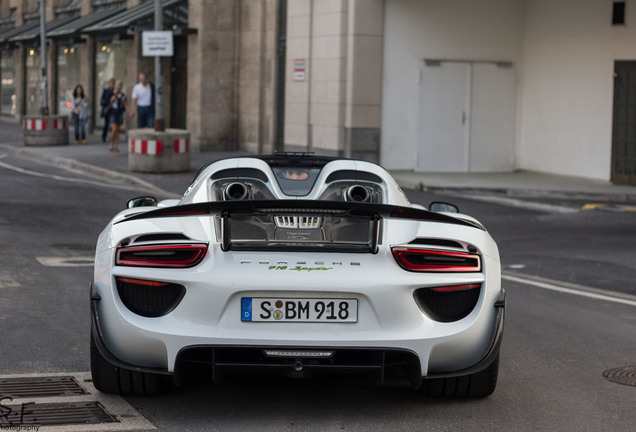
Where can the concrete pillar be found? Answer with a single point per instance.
(213, 55)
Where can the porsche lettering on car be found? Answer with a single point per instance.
(299, 264)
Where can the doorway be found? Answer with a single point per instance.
(467, 116)
(624, 124)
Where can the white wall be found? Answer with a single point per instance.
(570, 48)
(563, 52)
(451, 29)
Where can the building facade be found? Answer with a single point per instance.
(424, 85)
(219, 84)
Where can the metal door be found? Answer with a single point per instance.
(466, 117)
(624, 123)
(444, 123)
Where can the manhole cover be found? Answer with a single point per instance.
(625, 375)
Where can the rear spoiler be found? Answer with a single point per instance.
(293, 224)
(229, 208)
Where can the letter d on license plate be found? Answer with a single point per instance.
(299, 310)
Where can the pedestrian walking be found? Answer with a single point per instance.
(143, 96)
(105, 103)
(81, 112)
(118, 107)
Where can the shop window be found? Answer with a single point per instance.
(110, 62)
(8, 103)
(68, 76)
(33, 81)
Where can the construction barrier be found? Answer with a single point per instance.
(150, 151)
(45, 130)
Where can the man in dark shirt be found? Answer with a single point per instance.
(105, 102)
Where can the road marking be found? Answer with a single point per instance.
(66, 261)
(609, 207)
(67, 179)
(580, 291)
(7, 282)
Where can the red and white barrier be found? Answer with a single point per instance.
(46, 130)
(41, 124)
(158, 151)
(181, 145)
(150, 147)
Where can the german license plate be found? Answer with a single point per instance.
(272, 309)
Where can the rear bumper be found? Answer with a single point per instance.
(374, 360)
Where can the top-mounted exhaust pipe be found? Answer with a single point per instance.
(357, 193)
(235, 192)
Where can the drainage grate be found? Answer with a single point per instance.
(52, 414)
(40, 387)
(625, 375)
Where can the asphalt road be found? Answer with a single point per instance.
(556, 344)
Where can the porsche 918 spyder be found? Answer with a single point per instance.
(300, 265)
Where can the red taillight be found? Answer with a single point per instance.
(161, 256)
(430, 260)
(141, 282)
(456, 288)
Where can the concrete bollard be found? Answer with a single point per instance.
(150, 151)
(45, 130)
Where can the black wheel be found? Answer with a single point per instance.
(478, 385)
(109, 378)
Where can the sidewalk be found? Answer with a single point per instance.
(95, 159)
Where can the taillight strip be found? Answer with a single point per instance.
(141, 282)
(456, 288)
(433, 260)
(161, 256)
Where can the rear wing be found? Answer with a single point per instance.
(301, 225)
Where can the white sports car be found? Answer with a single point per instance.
(301, 265)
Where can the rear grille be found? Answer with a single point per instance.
(149, 299)
(447, 306)
(378, 363)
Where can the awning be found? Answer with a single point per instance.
(141, 17)
(75, 27)
(34, 33)
(15, 31)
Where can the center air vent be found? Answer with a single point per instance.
(298, 222)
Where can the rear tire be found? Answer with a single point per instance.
(109, 378)
(477, 385)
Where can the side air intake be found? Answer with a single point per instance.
(357, 193)
(235, 192)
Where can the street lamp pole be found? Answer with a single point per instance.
(44, 110)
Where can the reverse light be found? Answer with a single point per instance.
(442, 261)
(161, 256)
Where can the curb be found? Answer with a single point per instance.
(74, 165)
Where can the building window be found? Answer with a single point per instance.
(8, 103)
(68, 76)
(33, 81)
(110, 62)
(618, 13)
